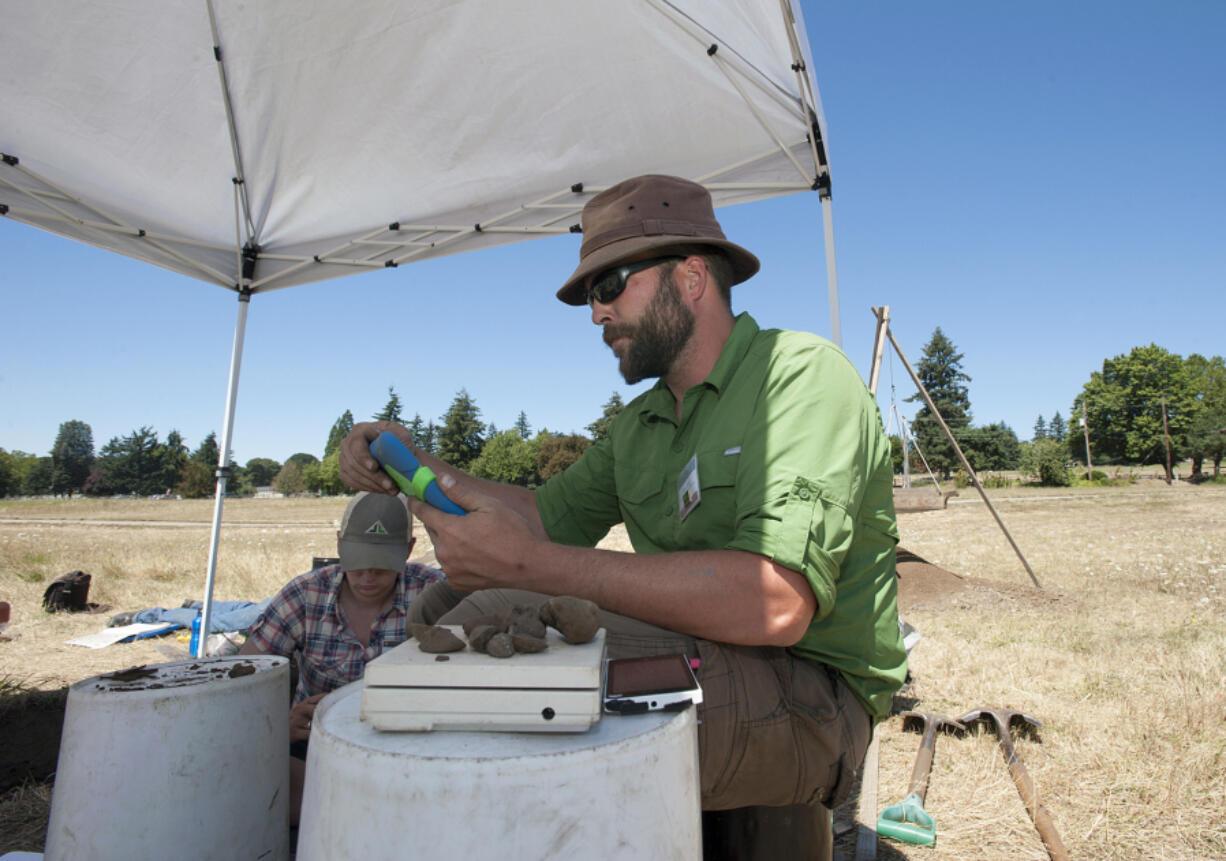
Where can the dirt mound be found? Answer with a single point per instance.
(923, 585)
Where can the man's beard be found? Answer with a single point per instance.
(659, 336)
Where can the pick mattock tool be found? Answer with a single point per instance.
(1003, 719)
(907, 820)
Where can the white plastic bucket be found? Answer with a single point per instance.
(186, 759)
(626, 788)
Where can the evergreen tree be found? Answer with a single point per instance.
(940, 370)
(72, 457)
(416, 428)
(130, 463)
(521, 425)
(391, 410)
(172, 458)
(459, 440)
(600, 428)
(208, 452)
(196, 481)
(1040, 429)
(1057, 430)
(428, 441)
(994, 446)
(340, 429)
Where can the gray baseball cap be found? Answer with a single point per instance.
(374, 533)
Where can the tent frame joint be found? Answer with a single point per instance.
(251, 255)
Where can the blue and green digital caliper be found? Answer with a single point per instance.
(413, 478)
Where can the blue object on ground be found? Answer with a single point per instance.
(227, 615)
(145, 636)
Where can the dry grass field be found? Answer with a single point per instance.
(1120, 654)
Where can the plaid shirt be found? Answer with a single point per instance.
(304, 622)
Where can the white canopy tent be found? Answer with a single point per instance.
(259, 145)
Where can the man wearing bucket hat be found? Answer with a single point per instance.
(331, 621)
(755, 483)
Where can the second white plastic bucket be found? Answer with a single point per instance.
(625, 789)
(188, 759)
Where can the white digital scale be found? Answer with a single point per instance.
(557, 690)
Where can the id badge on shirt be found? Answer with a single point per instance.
(688, 494)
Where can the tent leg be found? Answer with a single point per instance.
(832, 278)
(883, 323)
(936, 414)
(223, 466)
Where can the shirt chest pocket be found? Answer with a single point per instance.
(650, 500)
(643, 502)
(712, 522)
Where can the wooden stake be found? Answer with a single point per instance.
(1166, 433)
(958, 449)
(1085, 426)
(883, 323)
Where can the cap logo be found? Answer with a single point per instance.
(376, 528)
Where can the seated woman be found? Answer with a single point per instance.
(332, 620)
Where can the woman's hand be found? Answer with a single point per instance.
(300, 718)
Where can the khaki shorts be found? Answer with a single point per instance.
(773, 729)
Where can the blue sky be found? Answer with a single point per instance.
(1043, 181)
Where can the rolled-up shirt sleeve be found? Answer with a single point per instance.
(810, 453)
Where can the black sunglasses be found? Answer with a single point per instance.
(608, 285)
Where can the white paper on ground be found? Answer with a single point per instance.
(110, 636)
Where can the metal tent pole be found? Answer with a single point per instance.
(223, 467)
(832, 278)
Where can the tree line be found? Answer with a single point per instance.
(141, 464)
(1129, 412)
(1139, 406)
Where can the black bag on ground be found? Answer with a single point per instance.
(70, 592)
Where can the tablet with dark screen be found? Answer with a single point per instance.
(650, 684)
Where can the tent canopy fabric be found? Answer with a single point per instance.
(334, 138)
(259, 144)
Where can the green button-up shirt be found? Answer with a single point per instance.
(792, 464)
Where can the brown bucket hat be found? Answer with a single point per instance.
(642, 218)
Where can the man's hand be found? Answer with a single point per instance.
(358, 467)
(490, 547)
(300, 717)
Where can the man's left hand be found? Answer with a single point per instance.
(486, 548)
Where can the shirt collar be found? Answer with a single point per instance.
(735, 348)
(336, 576)
(659, 399)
